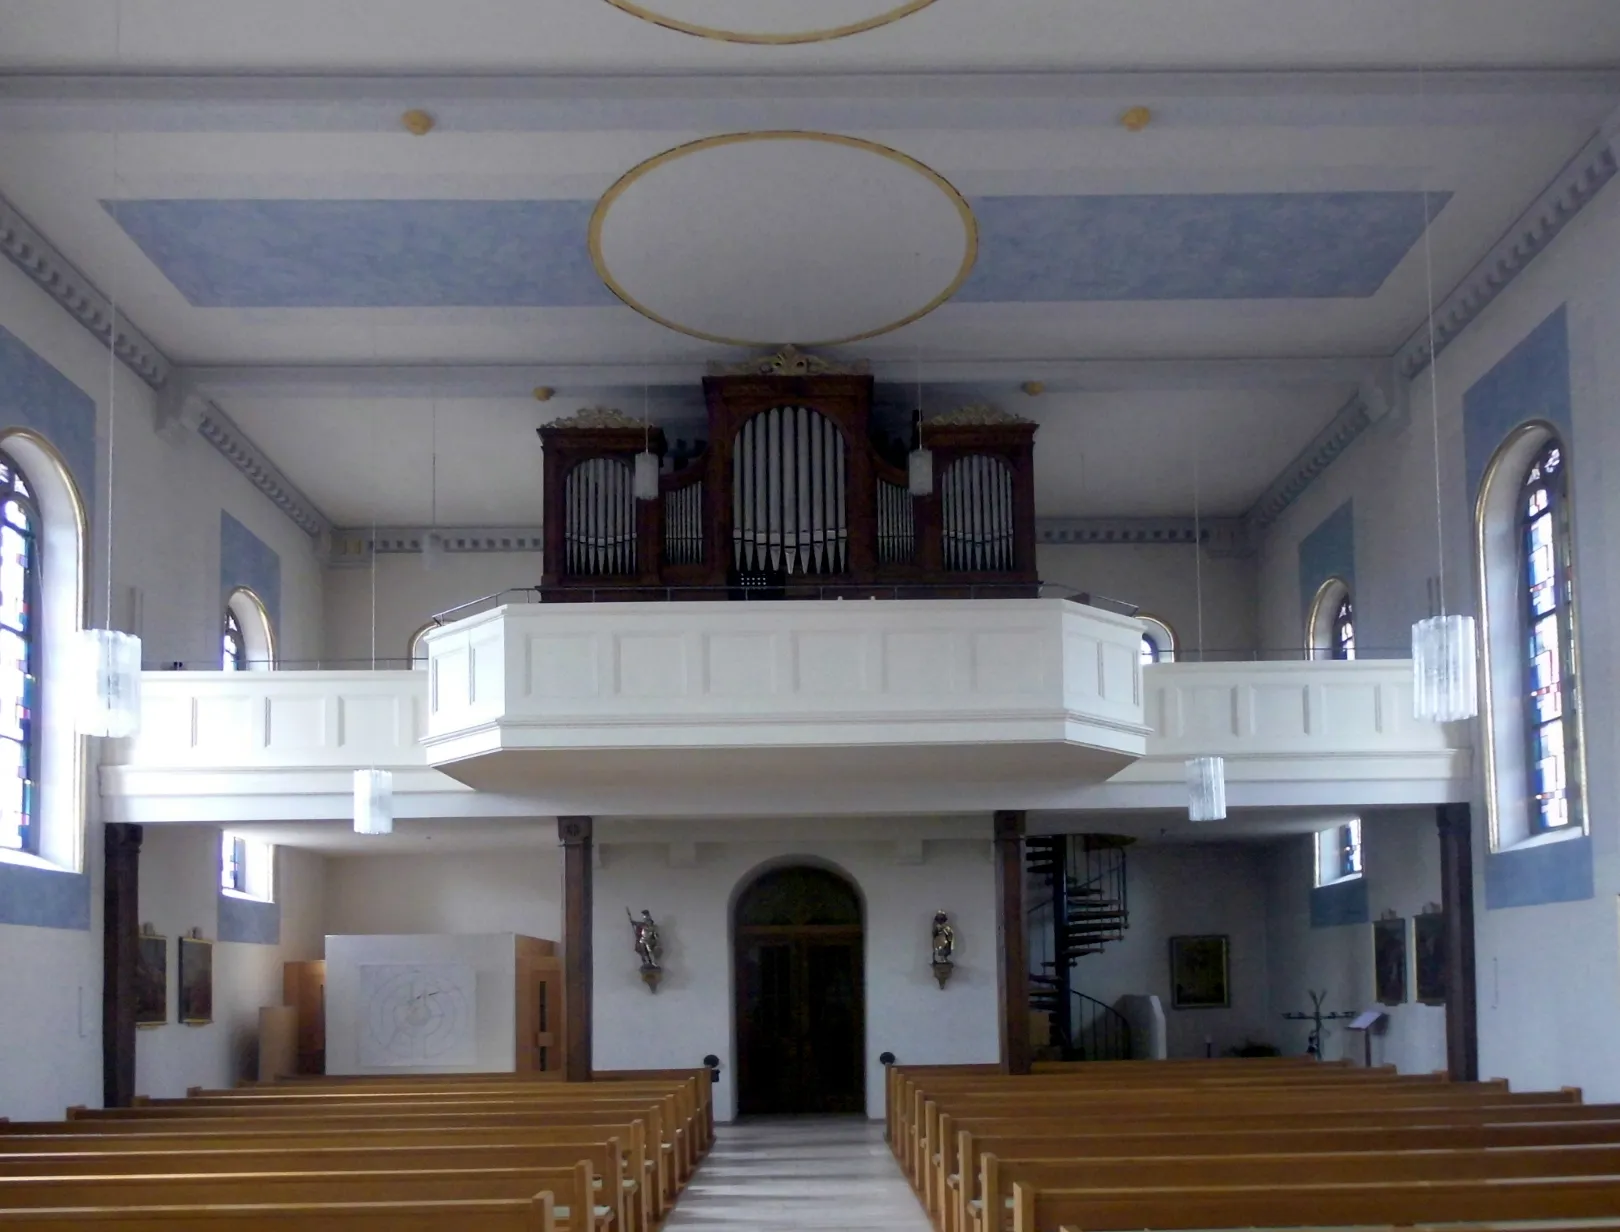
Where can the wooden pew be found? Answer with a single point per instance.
(484, 1215)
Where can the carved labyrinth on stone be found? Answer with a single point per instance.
(417, 1014)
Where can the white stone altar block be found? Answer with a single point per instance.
(418, 1014)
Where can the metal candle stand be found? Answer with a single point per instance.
(1316, 1018)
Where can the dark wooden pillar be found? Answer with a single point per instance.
(1456, 827)
(120, 946)
(1012, 942)
(575, 833)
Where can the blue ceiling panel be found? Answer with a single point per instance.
(370, 254)
(1208, 247)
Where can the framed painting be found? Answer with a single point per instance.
(196, 981)
(1429, 945)
(152, 981)
(1389, 961)
(1199, 971)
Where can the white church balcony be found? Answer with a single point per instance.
(714, 710)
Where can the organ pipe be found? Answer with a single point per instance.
(600, 513)
(977, 515)
(789, 473)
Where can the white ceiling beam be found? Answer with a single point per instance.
(708, 102)
(419, 381)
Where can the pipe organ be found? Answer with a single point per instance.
(791, 496)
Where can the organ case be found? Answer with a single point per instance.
(791, 497)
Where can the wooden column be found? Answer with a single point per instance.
(575, 833)
(1012, 942)
(1456, 825)
(120, 947)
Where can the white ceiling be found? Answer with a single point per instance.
(197, 102)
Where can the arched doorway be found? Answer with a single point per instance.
(801, 994)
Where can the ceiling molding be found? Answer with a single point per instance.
(629, 379)
(1580, 181)
(221, 431)
(59, 278)
(1220, 536)
(132, 102)
(352, 545)
(1357, 415)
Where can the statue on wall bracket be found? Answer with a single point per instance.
(944, 944)
(648, 946)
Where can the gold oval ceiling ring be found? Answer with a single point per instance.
(741, 36)
(970, 227)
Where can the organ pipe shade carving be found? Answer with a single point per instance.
(789, 479)
(976, 500)
(600, 512)
(683, 525)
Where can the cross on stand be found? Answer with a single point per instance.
(1316, 1018)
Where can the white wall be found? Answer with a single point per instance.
(1546, 974)
(409, 594)
(1162, 581)
(493, 958)
(692, 1013)
(517, 891)
(1401, 856)
(179, 892)
(167, 502)
(1190, 889)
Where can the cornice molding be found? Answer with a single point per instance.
(1571, 191)
(352, 545)
(1354, 417)
(1220, 536)
(221, 431)
(37, 257)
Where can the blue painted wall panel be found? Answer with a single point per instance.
(245, 919)
(44, 898)
(1329, 551)
(1529, 876)
(1344, 902)
(246, 560)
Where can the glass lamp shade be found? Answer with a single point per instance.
(645, 483)
(108, 689)
(1445, 669)
(432, 549)
(1206, 789)
(373, 801)
(920, 472)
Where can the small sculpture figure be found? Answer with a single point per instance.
(944, 947)
(649, 948)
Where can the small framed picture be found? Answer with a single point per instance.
(1389, 961)
(1429, 944)
(196, 981)
(1199, 973)
(152, 981)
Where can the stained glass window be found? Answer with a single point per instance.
(19, 661)
(1344, 630)
(232, 863)
(1548, 585)
(1150, 650)
(233, 657)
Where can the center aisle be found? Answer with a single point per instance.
(800, 1173)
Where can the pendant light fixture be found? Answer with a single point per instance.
(432, 545)
(1206, 776)
(107, 662)
(645, 482)
(920, 461)
(1445, 663)
(373, 788)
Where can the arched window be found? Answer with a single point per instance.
(1330, 630)
(1158, 640)
(19, 660)
(1547, 581)
(233, 655)
(416, 651)
(1530, 641)
(248, 642)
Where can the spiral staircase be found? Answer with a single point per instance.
(1078, 891)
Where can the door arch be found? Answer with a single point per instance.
(800, 988)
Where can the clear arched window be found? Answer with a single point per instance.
(1344, 630)
(233, 654)
(19, 660)
(1547, 581)
(1158, 641)
(417, 651)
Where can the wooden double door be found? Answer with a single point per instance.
(801, 1019)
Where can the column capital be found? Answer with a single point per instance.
(121, 837)
(1009, 824)
(1454, 819)
(574, 831)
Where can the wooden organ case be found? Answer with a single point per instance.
(791, 497)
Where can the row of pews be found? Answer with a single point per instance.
(459, 1153)
(1266, 1143)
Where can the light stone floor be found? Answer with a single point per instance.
(796, 1174)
